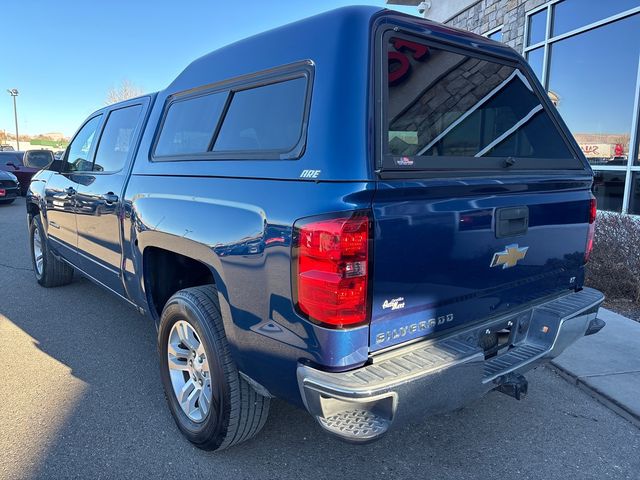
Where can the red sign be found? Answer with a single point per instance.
(399, 64)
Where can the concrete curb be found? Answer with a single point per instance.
(598, 395)
(607, 365)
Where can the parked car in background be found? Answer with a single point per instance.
(12, 161)
(9, 187)
(6, 148)
(376, 227)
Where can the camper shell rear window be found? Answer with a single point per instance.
(445, 108)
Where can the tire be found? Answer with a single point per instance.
(238, 412)
(52, 272)
(7, 202)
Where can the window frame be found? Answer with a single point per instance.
(304, 69)
(549, 40)
(142, 102)
(442, 166)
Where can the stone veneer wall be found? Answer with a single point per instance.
(442, 104)
(486, 15)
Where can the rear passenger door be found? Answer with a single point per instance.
(99, 206)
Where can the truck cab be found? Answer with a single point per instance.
(375, 225)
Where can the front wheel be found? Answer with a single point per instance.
(50, 271)
(213, 406)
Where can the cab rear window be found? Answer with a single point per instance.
(448, 109)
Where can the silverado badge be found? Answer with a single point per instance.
(509, 257)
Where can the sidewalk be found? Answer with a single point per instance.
(607, 365)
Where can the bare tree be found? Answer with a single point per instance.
(124, 91)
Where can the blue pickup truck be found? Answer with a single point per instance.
(369, 215)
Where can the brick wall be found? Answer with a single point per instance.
(486, 15)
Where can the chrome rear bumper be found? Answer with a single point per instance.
(444, 374)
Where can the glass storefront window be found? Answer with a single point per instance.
(593, 77)
(536, 59)
(537, 27)
(634, 201)
(608, 187)
(572, 14)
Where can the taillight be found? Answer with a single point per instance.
(3, 192)
(592, 228)
(331, 269)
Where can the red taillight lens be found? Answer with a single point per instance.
(3, 192)
(593, 209)
(592, 228)
(331, 274)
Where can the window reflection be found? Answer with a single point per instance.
(497, 35)
(116, 138)
(537, 27)
(572, 14)
(593, 77)
(608, 187)
(442, 103)
(536, 59)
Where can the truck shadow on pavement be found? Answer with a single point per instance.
(121, 427)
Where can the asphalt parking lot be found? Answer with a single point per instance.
(80, 397)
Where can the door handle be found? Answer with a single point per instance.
(70, 191)
(512, 221)
(109, 197)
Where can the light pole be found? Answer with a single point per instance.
(14, 93)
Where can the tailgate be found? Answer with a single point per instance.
(443, 262)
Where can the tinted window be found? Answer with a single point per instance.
(116, 139)
(79, 150)
(40, 159)
(444, 104)
(265, 118)
(189, 125)
(634, 203)
(572, 14)
(10, 157)
(608, 187)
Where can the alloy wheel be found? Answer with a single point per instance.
(37, 250)
(189, 371)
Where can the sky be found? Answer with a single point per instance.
(64, 56)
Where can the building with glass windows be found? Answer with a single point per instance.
(587, 55)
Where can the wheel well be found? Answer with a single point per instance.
(167, 272)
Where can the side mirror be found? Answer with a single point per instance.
(40, 159)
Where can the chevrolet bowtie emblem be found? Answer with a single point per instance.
(509, 257)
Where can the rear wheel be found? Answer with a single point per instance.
(213, 406)
(49, 271)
